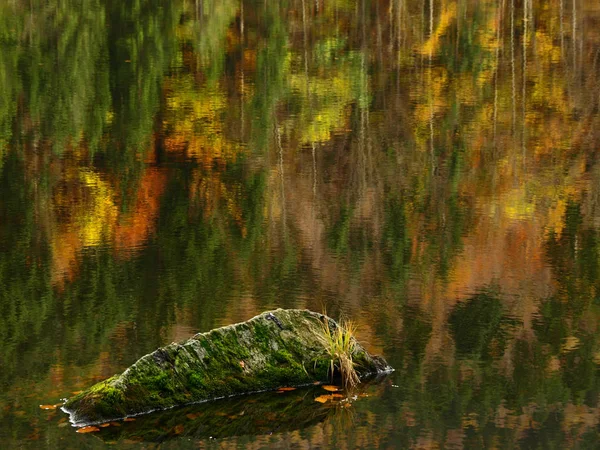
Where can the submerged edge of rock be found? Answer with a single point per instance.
(273, 349)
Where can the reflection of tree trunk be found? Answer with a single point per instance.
(314, 161)
(574, 35)
(242, 84)
(431, 149)
(305, 42)
(524, 79)
(562, 32)
(499, 44)
(512, 62)
(281, 175)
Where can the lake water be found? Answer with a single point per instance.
(429, 169)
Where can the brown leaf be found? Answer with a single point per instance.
(115, 424)
(178, 429)
(88, 430)
(192, 416)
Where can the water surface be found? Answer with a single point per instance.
(428, 169)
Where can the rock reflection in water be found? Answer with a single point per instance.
(253, 415)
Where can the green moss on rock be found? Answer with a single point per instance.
(247, 357)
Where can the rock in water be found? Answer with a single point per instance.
(277, 348)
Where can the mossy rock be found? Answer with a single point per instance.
(273, 349)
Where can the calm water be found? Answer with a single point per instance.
(427, 168)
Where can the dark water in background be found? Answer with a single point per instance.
(429, 169)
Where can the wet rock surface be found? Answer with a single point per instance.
(273, 349)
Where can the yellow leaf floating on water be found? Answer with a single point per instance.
(286, 389)
(104, 425)
(337, 396)
(88, 430)
(323, 398)
(128, 419)
(331, 388)
(48, 406)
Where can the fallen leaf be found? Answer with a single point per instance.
(178, 429)
(337, 396)
(193, 416)
(115, 424)
(285, 389)
(48, 406)
(88, 430)
(316, 383)
(331, 388)
(128, 419)
(104, 425)
(323, 398)
(76, 392)
(220, 413)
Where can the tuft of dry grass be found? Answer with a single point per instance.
(339, 344)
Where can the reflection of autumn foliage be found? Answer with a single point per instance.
(135, 227)
(85, 206)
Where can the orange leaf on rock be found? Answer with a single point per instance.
(331, 388)
(88, 430)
